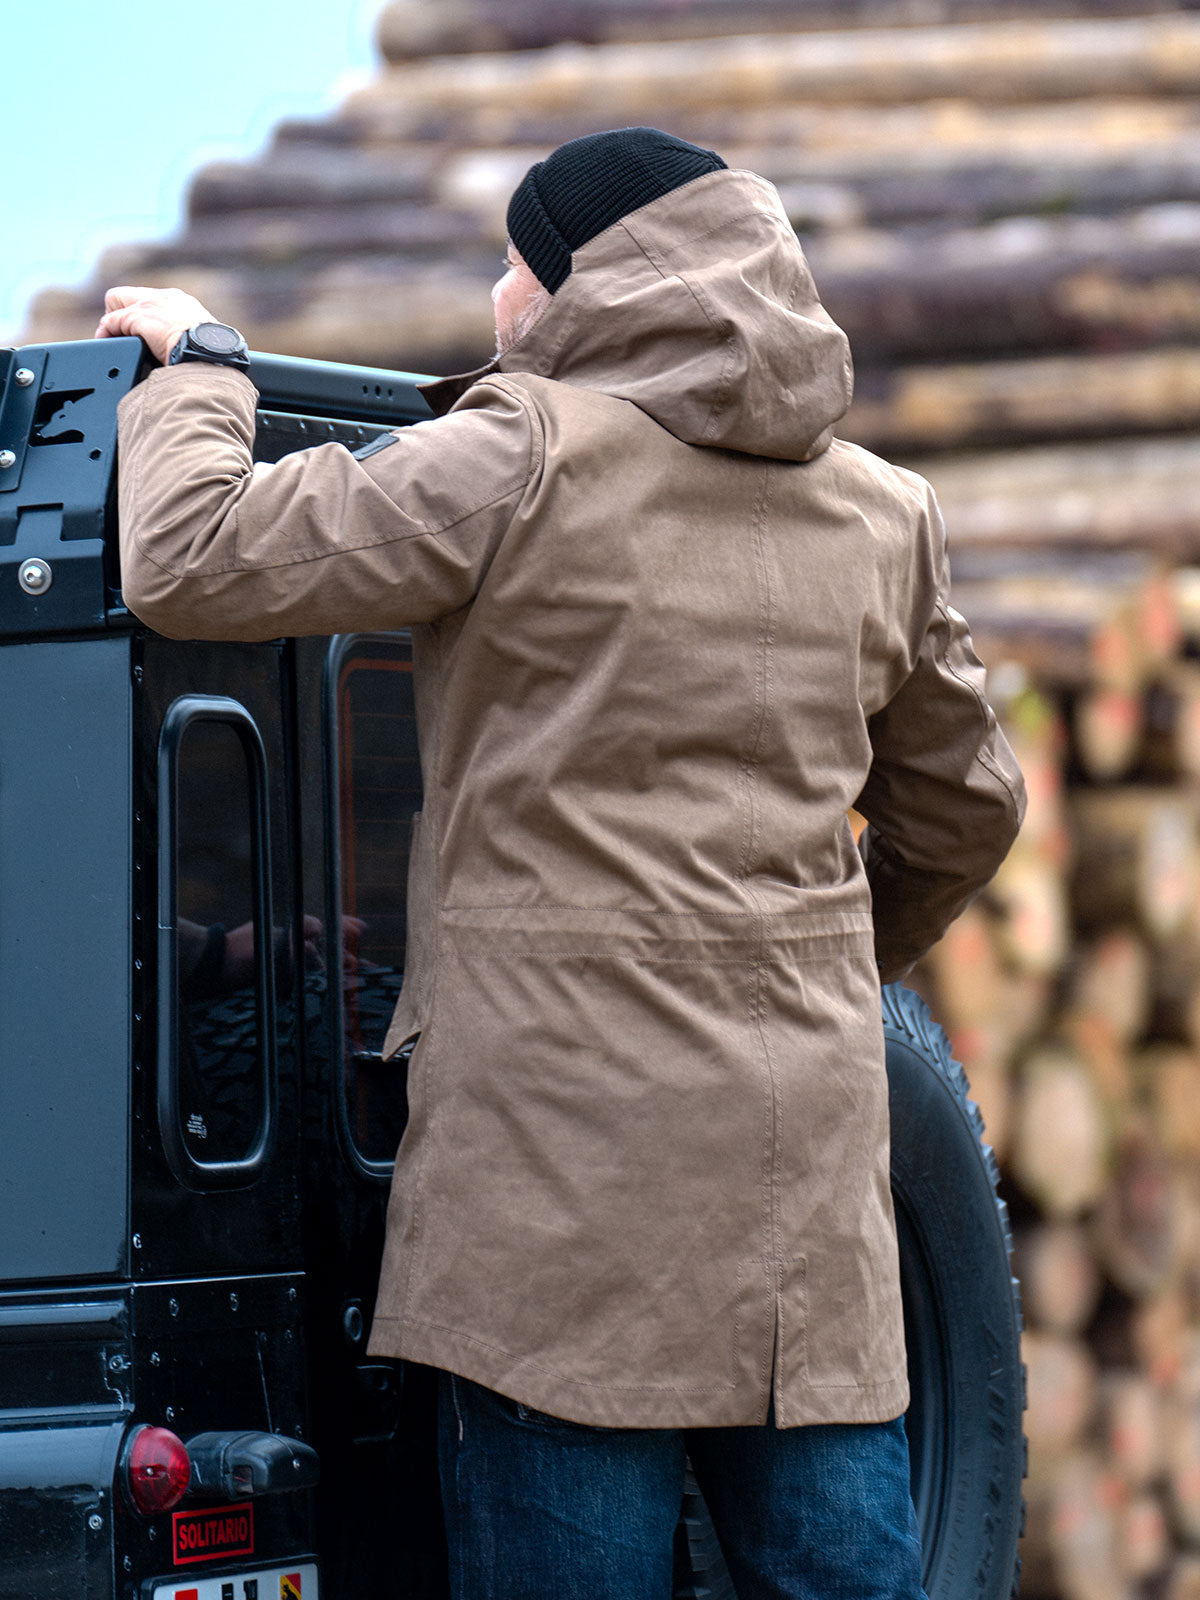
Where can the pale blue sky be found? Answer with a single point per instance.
(107, 109)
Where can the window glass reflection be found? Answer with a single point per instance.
(218, 1001)
(379, 792)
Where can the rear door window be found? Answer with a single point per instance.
(219, 950)
(375, 790)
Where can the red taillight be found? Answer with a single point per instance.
(157, 1469)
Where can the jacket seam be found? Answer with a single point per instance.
(880, 1383)
(981, 706)
(557, 905)
(430, 809)
(302, 558)
(307, 558)
(537, 433)
(764, 645)
(559, 1377)
(759, 208)
(721, 387)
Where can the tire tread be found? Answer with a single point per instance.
(906, 1013)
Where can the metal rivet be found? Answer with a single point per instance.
(152, 1534)
(155, 1359)
(137, 1241)
(95, 1522)
(173, 1306)
(7, 459)
(35, 576)
(170, 1413)
(291, 1294)
(233, 1302)
(22, 377)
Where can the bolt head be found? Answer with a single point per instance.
(35, 576)
(7, 459)
(95, 1522)
(22, 377)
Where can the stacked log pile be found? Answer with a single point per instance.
(1001, 203)
(1072, 990)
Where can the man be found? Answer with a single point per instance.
(667, 631)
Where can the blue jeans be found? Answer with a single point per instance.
(541, 1509)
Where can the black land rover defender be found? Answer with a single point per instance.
(202, 935)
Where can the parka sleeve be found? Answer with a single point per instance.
(322, 542)
(944, 798)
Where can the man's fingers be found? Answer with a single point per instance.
(127, 294)
(158, 316)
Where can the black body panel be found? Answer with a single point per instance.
(65, 917)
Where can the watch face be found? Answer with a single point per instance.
(216, 338)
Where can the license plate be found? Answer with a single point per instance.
(292, 1582)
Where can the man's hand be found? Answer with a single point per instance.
(159, 316)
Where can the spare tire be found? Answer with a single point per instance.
(962, 1324)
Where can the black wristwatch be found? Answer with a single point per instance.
(211, 341)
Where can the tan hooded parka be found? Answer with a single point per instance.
(667, 631)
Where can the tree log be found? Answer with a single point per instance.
(652, 79)
(1171, 728)
(1072, 1544)
(1169, 1077)
(1161, 1332)
(1033, 931)
(1107, 728)
(1131, 1426)
(1137, 859)
(1060, 1146)
(1105, 1056)
(1175, 992)
(293, 179)
(1060, 1281)
(1110, 981)
(1134, 584)
(1061, 1385)
(1125, 493)
(413, 28)
(1057, 650)
(965, 966)
(1182, 1431)
(1143, 1538)
(1018, 285)
(1138, 1229)
(984, 1049)
(1183, 1581)
(937, 406)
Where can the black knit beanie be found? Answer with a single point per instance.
(588, 184)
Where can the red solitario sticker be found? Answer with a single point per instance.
(210, 1535)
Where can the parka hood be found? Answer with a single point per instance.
(700, 309)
